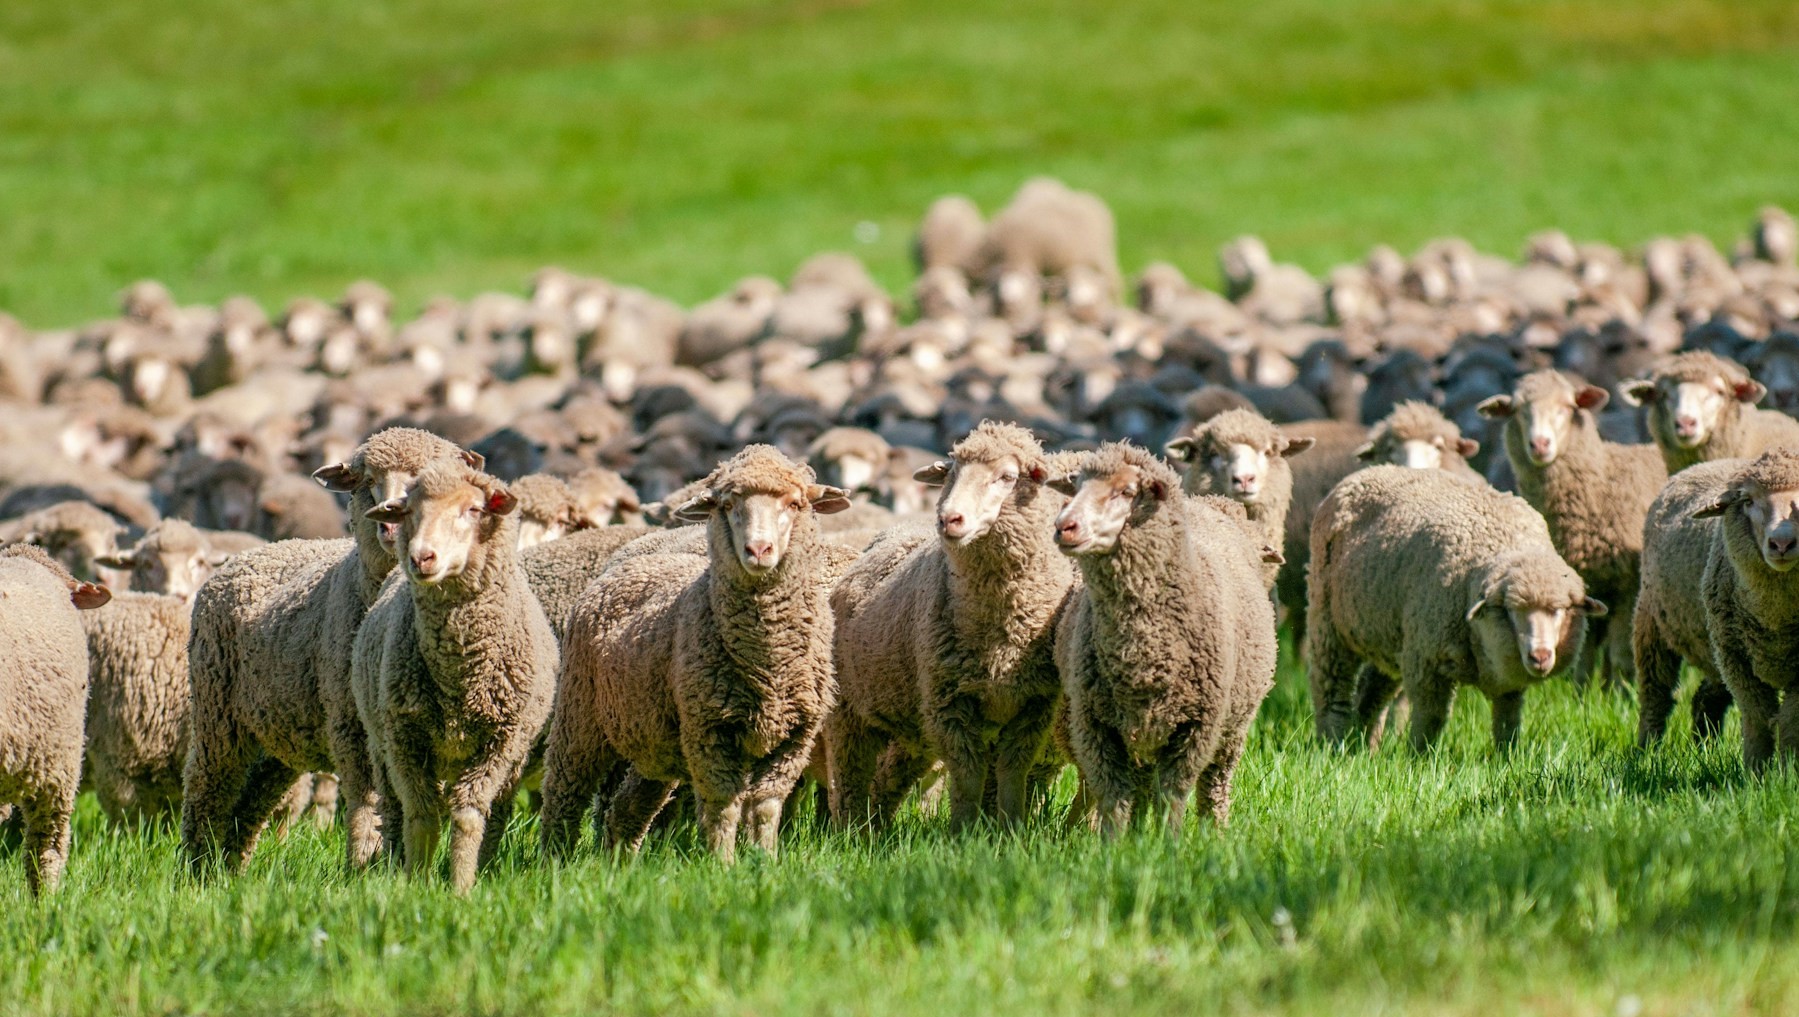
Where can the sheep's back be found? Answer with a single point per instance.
(43, 681)
(1675, 550)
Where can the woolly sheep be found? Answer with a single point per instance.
(1702, 407)
(79, 534)
(270, 660)
(137, 712)
(546, 509)
(560, 570)
(603, 498)
(1421, 580)
(949, 235)
(43, 681)
(1331, 458)
(1668, 625)
(290, 507)
(1242, 456)
(943, 646)
(716, 671)
(1751, 604)
(1167, 649)
(453, 669)
(1593, 494)
(1417, 435)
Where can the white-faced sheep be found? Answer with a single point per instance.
(1418, 436)
(454, 669)
(43, 681)
(270, 659)
(1422, 580)
(715, 671)
(1752, 601)
(546, 509)
(1242, 456)
(603, 498)
(1702, 407)
(944, 647)
(1668, 624)
(1168, 648)
(1594, 494)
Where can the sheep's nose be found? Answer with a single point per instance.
(1541, 658)
(1068, 531)
(1244, 481)
(423, 561)
(759, 551)
(1685, 425)
(1782, 546)
(1539, 447)
(952, 523)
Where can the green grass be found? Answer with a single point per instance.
(1573, 877)
(277, 147)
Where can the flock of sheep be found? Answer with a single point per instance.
(593, 546)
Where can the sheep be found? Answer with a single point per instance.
(602, 498)
(1669, 623)
(949, 236)
(712, 670)
(1047, 229)
(1751, 610)
(560, 570)
(1417, 435)
(453, 669)
(1702, 407)
(270, 659)
(290, 507)
(1242, 456)
(1593, 494)
(852, 458)
(728, 323)
(943, 647)
(1167, 648)
(1420, 579)
(137, 712)
(172, 557)
(79, 534)
(44, 684)
(1401, 376)
(546, 509)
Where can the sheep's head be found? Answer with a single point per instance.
(1417, 436)
(996, 465)
(1233, 455)
(1536, 606)
(760, 496)
(602, 498)
(171, 558)
(850, 457)
(384, 467)
(1543, 410)
(225, 495)
(1693, 393)
(84, 595)
(446, 520)
(547, 510)
(1117, 487)
(1766, 497)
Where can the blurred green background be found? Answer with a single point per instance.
(277, 147)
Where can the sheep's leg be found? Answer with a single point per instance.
(499, 816)
(1711, 701)
(468, 828)
(324, 799)
(47, 838)
(292, 804)
(1620, 661)
(1758, 701)
(218, 766)
(1107, 769)
(900, 769)
(1182, 765)
(1374, 691)
(350, 756)
(1215, 779)
(1331, 671)
(1015, 754)
(765, 824)
(852, 750)
(269, 779)
(953, 727)
(1508, 710)
(720, 817)
(633, 808)
(1432, 695)
(1789, 727)
(575, 764)
(1658, 674)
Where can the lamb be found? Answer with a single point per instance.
(943, 647)
(1669, 623)
(1702, 407)
(1593, 494)
(1242, 456)
(602, 498)
(1420, 579)
(711, 670)
(453, 669)
(1751, 606)
(270, 662)
(1417, 435)
(44, 684)
(1167, 649)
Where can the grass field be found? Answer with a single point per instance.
(1578, 876)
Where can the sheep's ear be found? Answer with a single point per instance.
(390, 511)
(1592, 398)
(271, 506)
(1748, 391)
(1638, 393)
(1593, 608)
(1497, 407)
(500, 501)
(88, 596)
(1067, 483)
(1480, 605)
(1270, 556)
(697, 509)
(217, 558)
(338, 477)
(475, 460)
(1732, 497)
(117, 559)
(1467, 448)
(933, 475)
(1180, 449)
(1295, 446)
(1366, 452)
(1037, 474)
(827, 500)
(1156, 488)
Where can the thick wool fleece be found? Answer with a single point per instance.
(692, 669)
(273, 630)
(1415, 421)
(1668, 624)
(1166, 651)
(1399, 558)
(947, 653)
(559, 570)
(1331, 458)
(137, 704)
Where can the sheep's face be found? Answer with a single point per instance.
(1101, 508)
(369, 316)
(1545, 631)
(441, 530)
(82, 551)
(535, 529)
(604, 505)
(1411, 453)
(1773, 518)
(760, 523)
(1691, 411)
(229, 503)
(153, 379)
(851, 472)
(176, 570)
(1545, 423)
(975, 492)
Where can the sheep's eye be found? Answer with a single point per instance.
(1008, 478)
(793, 506)
(1129, 492)
(473, 511)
